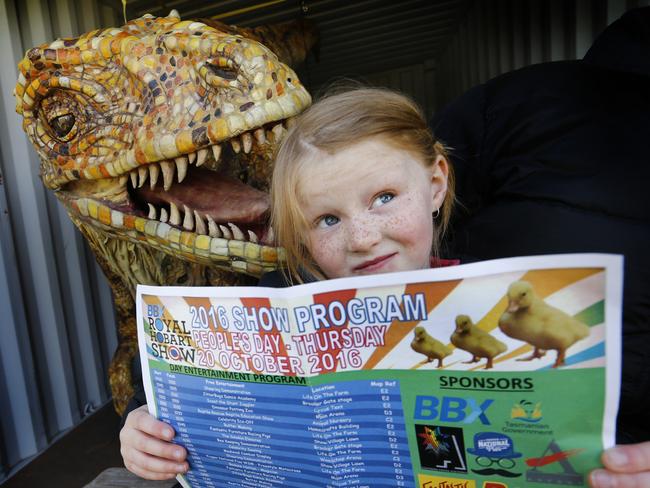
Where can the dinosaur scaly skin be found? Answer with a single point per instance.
(157, 137)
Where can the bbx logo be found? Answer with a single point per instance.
(451, 409)
(154, 310)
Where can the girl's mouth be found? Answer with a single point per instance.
(374, 264)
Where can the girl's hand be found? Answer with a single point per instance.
(147, 449)
(626, 466)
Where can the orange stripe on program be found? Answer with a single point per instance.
(433, 293)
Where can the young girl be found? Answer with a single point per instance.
(360, 187)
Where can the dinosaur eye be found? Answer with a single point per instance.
(61, 115)
(222, 72)
(62, 125)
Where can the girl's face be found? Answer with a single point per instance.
(369, 209)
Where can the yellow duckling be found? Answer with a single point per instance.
(430, 347)
(530, 319)
(476, 341)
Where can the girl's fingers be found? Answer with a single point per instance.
(142, 420)
(631, 458)
(146, 447)
(152, 464)
(155, 447)
(608, 479)
(148, 475)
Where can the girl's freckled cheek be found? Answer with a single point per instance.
(323, 251)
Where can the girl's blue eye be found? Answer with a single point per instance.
(382, 199)
(328, 221)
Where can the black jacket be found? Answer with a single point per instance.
(555, 158)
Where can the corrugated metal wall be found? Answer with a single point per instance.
(498, 36)
(502, 35)
(56, 319)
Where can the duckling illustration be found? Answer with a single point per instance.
(476, 341)
(430, 347)
(530, 319)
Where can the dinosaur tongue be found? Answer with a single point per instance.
(223, 197)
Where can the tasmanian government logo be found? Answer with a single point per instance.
(526, 417)
(441, 448)
(526, 411)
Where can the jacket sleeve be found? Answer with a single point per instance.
(139, 398)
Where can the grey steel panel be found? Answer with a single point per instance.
(56, 323)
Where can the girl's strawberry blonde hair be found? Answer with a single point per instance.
(335, 122)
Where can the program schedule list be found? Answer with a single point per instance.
(264, 435)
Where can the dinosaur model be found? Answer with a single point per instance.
(158, 138)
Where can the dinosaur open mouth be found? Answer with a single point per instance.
(209, 203)
(208, 192)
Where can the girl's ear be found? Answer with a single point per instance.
(439, 178)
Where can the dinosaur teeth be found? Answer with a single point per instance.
(191, 157)
(247, 140)
(154, 171)
(174, 214)
(225, 231)
(163, 215)
(167, 168)
(123, 179)
(188, 220)
(270, 236)
(236, 232)
(152, 212)
(260, 137)
(181, 167)
(213, 230)
(278, 132)
(134, 178)
(252, 236)
(202, 155)
(236, 145)
(200, 225)
(216, 152)
(143, 173)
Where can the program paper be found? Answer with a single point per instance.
(355, 382)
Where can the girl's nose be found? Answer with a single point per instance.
(363, 235)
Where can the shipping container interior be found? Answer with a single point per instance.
(56, 310)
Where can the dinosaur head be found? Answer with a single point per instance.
(162, 132)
